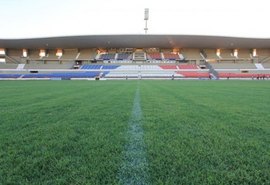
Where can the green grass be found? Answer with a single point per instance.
(75, 132)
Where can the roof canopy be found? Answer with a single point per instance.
(136, 41)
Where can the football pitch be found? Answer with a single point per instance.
(135, 132)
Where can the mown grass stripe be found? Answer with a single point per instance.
(134, 170)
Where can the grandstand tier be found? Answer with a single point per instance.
(25, 71)
(143, 56)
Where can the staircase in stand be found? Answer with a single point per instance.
(212, 71)
(259, 66)
(139, 56)
(11, 60)
(20, 66)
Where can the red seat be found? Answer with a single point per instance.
(168, 67)
(238, 75)
(155, 56)
(194, 74)
(187, 66)
(171, 56)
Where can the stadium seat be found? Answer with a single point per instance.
(170, 56)
(91, 67)
(154, 56)
(168, 67)
(195, 74)
(123, 56)
(188, 66)
(107, 56)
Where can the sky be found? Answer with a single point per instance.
(47, 18)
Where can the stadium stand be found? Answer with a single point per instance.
(150, 67)
(51, 56)
(8, 66)
(242, 65)
(154, 56)
(48, 66)
(139, 71)
(137, 60)
(14, 56)
(191, 54)
(263, 52)
(227, 54)
(69, 55)
(168, 67)
(107, 56)
(139, 56)
(129, 67)
(34, 55)
(244, 54)
(91, 67)
(109, 67)
(87, 54)
(266, 65)
(63, 75)
(188, 66)
(124, 56)
(211, 54)
(243, 75)
(195, 74)
(171, 56)
(4, 76)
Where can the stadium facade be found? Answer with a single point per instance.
(135, 57)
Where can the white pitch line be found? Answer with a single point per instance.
(134, 169)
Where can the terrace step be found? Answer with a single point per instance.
(259, 66)
(139, 56)
(20, 66)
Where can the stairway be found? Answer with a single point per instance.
(20, 66)
(11, 60)
(259, 66)
(212, 71)
(263, 60)
(139, 56)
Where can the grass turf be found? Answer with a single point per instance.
(74, 132)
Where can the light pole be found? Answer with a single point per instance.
(146, 18)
